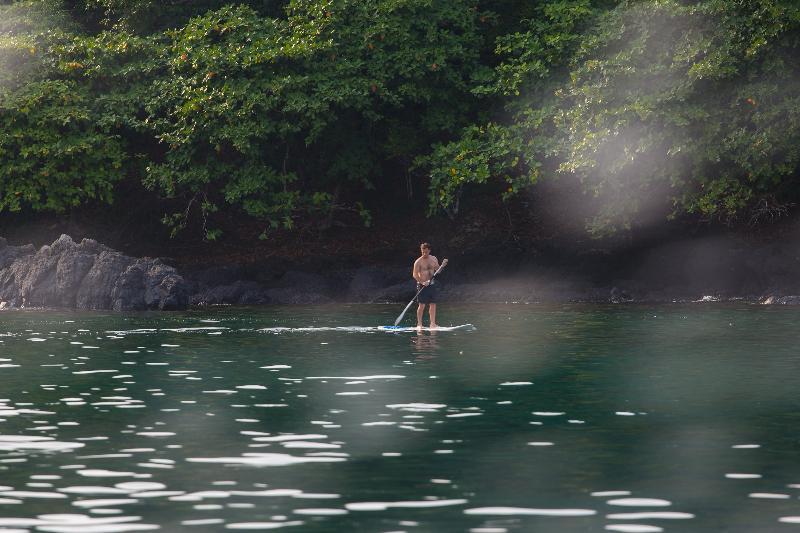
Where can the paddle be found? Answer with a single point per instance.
(444, 263)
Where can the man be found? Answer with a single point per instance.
(424, 268)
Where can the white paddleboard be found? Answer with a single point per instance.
(462, 327)
(361, 329)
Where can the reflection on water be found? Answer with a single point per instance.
(424, 343)
(546, 419)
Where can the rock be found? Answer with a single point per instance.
(263, 284)
(238, 292)
(305, 282)
(367, 282)
(87, 276)
(618, 296)
(127, 293)
(780, 300)
(294, 296)
(9, 254)
(216, 276)
(708, 298)
(375, 284)
(164, 288)
(398, 292)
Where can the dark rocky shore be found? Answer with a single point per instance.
(89, 275)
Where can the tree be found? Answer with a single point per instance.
(667, 106)
(281, 115)
(273, 115)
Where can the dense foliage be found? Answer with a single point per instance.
(299, 108)
(666, 108)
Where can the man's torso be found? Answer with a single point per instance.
(426, 266)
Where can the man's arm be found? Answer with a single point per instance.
(416, 271)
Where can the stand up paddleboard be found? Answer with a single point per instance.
(462, 327)
(359, 329)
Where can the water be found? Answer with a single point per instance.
(574, 418)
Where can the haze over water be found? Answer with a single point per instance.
(570, 418)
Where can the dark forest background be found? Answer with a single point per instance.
(350, 125)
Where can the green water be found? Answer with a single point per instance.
(574, 418)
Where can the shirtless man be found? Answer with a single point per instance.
(424, 268)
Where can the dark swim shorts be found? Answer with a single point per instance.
(429, 294)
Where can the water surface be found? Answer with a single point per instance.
(570, 418)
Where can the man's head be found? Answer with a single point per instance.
(425, 248)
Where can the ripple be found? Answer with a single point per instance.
(33, 494)
(361, 378)
(77, 523)
(158, 493)
(417, 407)
(320, 512)
(23, 442)
(202, 522)
(512, 511)
(310, 445)
(382, 506)
(633, 528)
(194, 329)
(265, 459)
(263, 525)
(200, 496)
(652, 515)
(82, 489)
(108, 502)
(289, 493)
(114, 528)
(96, 472)
(640, 502)
(135, 486)
(284, 438)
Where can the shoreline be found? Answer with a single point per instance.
(89, 275)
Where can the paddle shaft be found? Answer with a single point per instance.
(399, 318)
